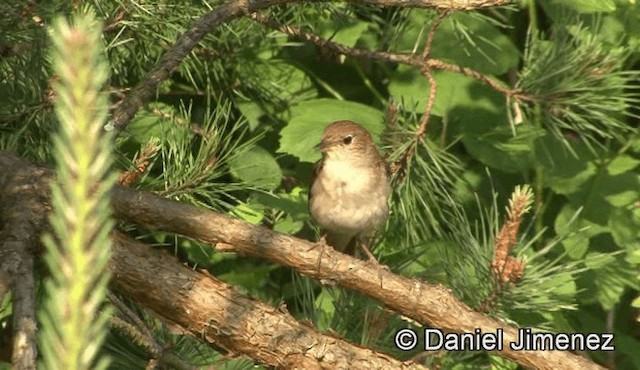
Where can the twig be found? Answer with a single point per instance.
(140, 333)
(425, 69)
(401, 58)
(224, 13)
(422, 62)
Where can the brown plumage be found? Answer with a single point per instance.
(349, 187)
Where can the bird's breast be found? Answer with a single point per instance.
(349, 199)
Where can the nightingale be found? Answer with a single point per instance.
(349, 191)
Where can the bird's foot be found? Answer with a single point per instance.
(322, 244)
(372, 260)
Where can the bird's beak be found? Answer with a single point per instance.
(319, 147)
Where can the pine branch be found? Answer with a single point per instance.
(211, 310)
(426, 303)
(226, 12)
(21, 209)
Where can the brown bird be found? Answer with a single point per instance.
(349, 188)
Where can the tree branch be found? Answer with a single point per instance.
(226, 12)
(426, 303)
(23, 208)
(211, 310)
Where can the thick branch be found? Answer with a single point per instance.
(213, 311)
(430, 304)
(234, 9)
(23, 208)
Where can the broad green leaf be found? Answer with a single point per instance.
(309, 118)
(408, 85)
(256, 167)
(476, 113)
(147, 124)
(497, 147)
(587, 6)
(603, 192)
(576, 231)
(454, 89)
(248, 213)
(624, 224)
(196, 251)
(345, 34)
(621, 164)
(470, 40)
(561, 284)
(563, 171)
(287, 225)
(499, 363)
(636, 303)
(612, 281)
(325, 309)
(284, 81)
(464, 39)
(250, 276)
(294, 203)
(252, 112)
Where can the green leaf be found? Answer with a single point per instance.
(576, 231)
(326, 309)
(249, 276)
(470, 40)
(564, 172)
(257, 167)
(146, 124)
(247, 213)
(454, 89)
(587, 6)
(287, 225)
(294, 203)
(252, 112)
(603, 192)
(497, 147)
(499, 363)
(624, 224)
(621, 164)
(611, 282)
(309, 118)
(283, 80)
(345, 34)
(196, 251)
(561, 284)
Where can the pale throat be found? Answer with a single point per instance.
(348, 173)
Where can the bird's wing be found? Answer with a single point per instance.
(317, 167)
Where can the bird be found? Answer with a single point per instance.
(350, 187)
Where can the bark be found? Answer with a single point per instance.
(210, 310)
(187, 302)
(23, 209)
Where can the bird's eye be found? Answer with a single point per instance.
(347, 139)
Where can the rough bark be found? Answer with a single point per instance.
(429, 304)
(218, 313)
